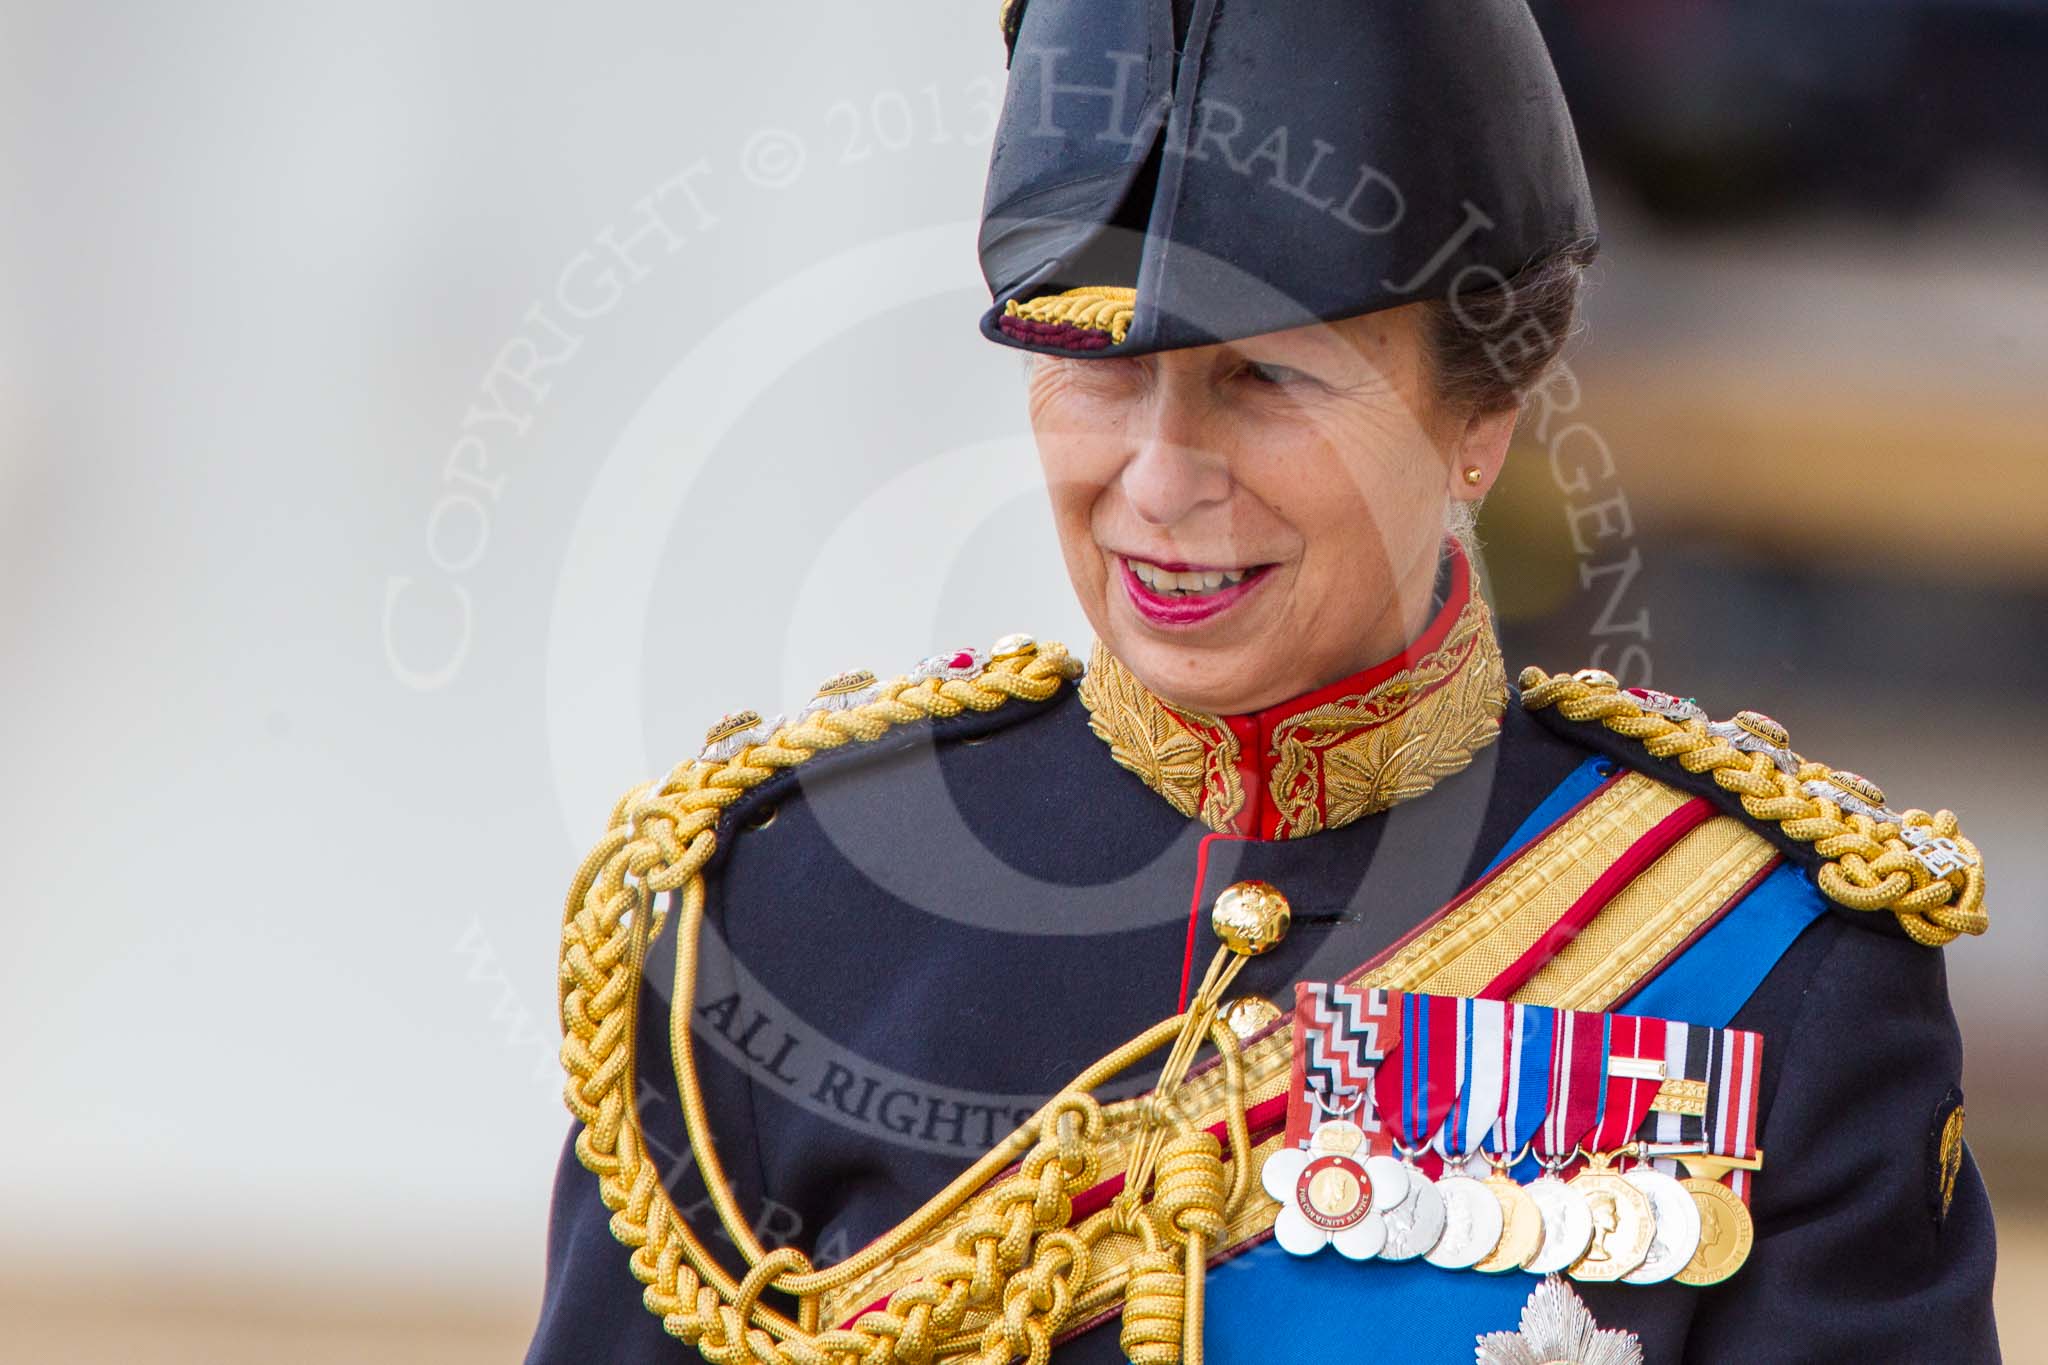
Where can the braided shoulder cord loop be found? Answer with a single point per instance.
(1018, 1262)
(1871, 863)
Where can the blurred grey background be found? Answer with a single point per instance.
(417, 422)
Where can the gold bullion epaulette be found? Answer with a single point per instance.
(1864, 855)
(659, 839)
(859, 706)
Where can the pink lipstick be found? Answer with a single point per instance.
(1169, 610)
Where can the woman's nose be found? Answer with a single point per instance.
(1174, 470)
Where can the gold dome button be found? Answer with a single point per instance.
(1248, 1014)
(1250, 918)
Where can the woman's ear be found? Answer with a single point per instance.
(1479, 452)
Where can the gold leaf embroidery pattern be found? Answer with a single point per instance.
(1187, 757)
(1360, 755)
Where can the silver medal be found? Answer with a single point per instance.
(1414, 1224)
(1678, 1226)
(1281, 1170)
(1325, 1199)
(1363, 1241)
(1389, 1181)
(1472, 1223)
(1567, 1225)
(1298, 1236)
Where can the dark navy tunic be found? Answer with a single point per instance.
(912, 943)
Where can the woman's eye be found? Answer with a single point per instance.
(1264, 373)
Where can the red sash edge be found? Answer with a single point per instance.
(1636, 859)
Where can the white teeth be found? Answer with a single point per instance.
(1167, 581)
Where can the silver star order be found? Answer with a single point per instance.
(1557, 1330)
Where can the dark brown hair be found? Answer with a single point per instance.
(1489, 342)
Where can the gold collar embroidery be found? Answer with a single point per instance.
(1343, 752)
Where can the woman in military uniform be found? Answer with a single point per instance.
(888, 1029)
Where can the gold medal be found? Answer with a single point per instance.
(1333, 1194)
(1521, 1226)
(1624, 1223)
(1726, 1233)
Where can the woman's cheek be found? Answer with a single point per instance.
(1072, 480)
(1073, 507)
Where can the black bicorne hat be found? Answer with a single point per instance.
(1175, 173)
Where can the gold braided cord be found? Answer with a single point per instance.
(1008, 1285)
(1096, 307)
(1868, 866)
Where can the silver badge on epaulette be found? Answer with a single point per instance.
(1937, 853)
(961, 663)
(843, 692)
(1680, 709)
(733, 732)
(1848, 800)
(1753, 732)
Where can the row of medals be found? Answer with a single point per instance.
(1637, 1226)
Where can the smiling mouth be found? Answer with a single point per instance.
(1179, 595)
(1187, 581)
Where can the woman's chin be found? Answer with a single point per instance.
(1223, 662)
(1217, 677)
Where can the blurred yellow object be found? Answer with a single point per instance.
(1931, 475)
